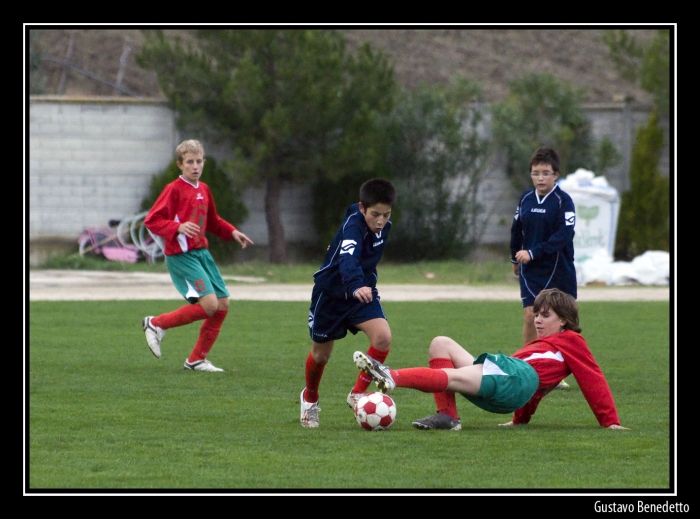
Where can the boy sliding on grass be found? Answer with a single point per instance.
(506, 384)
(345, 294)
(181, 215)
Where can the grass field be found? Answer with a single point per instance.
(423, 272)
(104, 414)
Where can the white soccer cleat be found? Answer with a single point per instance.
(353, 398)
(201, 365)
(154, 334)
(375, 369)
(309, 412)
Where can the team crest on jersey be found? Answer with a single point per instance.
(199, 196)
(348, 247)
(570, 218)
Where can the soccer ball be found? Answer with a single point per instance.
(375, 412)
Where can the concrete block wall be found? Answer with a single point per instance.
(92, 159)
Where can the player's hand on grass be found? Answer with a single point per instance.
(242, 239)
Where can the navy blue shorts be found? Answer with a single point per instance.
(531, 287)
(330, 318)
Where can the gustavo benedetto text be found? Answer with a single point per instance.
(642, 507)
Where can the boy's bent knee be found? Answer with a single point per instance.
(440, 345)
(440, 340)
(382, 343)
(209, 303)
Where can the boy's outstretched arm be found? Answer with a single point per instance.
(241, 238)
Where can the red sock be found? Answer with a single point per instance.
(363, 381)
(208, 333)
(183, 315)
(313, 374)
(444, 400)
(427, 380)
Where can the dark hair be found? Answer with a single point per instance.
(545, 156)
(377, 191)
(563, 304)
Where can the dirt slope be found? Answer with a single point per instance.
(492, 57)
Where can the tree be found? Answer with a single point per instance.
(292, 105)
(437, 159)
(37, 77)
(644, 209)
(649, 64)
(542, 110)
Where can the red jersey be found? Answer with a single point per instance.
(182, 202)
(556, 356)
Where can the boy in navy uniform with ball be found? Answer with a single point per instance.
(345, 297)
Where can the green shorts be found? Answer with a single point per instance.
(507, 383)
(195, 274)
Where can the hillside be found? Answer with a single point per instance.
(492, 57)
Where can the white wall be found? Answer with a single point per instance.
(91, 160)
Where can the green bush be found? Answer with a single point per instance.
(228, 201)
(606, 156)
(644, 222)
(438, 161)
(542, 110)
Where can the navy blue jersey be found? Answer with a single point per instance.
(544, 226)
(351, 260)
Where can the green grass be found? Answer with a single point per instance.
(104, 414)
(440, 273)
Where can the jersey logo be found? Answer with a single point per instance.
(348, 247)
(546, 355)
(377, 243)
(537, 210)
(570, 218)
(199, 196)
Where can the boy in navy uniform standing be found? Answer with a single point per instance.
(542, 238)
(345, 297)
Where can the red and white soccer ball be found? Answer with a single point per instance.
(375, 412)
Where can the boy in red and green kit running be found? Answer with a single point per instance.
(181, 215)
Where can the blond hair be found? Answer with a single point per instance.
(188, 146)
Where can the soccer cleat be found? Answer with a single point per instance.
(438, 421)
(375, 369)
(309, 412)
(201, 365)
(353, 398)
(562, 385)
(154, 334)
